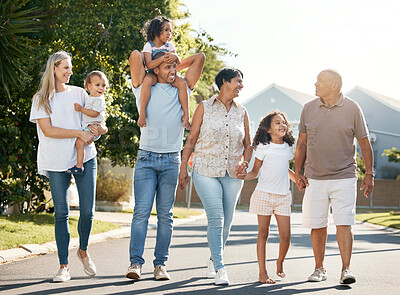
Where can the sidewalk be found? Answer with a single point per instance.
(122, 219)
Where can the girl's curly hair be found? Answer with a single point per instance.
(262, 135)
(152, 28)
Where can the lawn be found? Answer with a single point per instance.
(388, 219)
(22, 229)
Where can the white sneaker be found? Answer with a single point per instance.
(88, 265)
(221, 277)
(318, 275)
(63, 275)
(210, 269)
(347, 277)
(133, 271)
(160, 273)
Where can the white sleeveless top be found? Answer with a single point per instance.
(220, 143)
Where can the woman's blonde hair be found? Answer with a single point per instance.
(47, 83)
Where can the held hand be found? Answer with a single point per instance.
(241, 170)
(86, 137)
(301, 182)
(183, 177)
(77, 107)
(367, 185)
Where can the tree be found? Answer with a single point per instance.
(15, 22)
(99, 35)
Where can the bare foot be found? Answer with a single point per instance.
(265, 279)
(141, 121)
(279, 269)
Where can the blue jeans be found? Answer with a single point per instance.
(219, 196)
(86, 184)
(155, 175)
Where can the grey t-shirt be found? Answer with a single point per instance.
(331, 133)
(164, 128)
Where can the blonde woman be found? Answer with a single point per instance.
(58, 127)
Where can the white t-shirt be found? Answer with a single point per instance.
(274, 172)
(59, 154)
(149, 49)
(97, 104)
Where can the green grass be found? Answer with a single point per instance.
(22, 229)
(179, 212)
(388, 219)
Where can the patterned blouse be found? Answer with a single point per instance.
(220, 143)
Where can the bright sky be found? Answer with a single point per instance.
(288, 42)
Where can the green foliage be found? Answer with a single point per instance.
(15, 23)
(392, 154)
(360, 167)
(112, 188)
(99, 35)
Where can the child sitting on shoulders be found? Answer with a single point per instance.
(158, 33)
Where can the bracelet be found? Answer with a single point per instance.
(369, 173)
(247, 163)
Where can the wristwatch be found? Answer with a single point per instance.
(372, 173)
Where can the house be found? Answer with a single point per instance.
(382, 115)
(273, 97)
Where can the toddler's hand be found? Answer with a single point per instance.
(168, 58)
(77, 107)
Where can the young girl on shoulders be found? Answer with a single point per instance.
(273, 151)
(158, 33)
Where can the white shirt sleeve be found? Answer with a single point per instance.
(147, 48)
(171, 46)
(259, 153)
(99, 104)
(37, 113)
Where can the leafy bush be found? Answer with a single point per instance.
(112, 188)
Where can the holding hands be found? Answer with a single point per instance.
(241, 169)
(301, 181)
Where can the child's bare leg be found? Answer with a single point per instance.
(263, 231)
(284, 242)
(148, 81)
(180, 83)
(80, 152)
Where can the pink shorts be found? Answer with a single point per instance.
(263, 203)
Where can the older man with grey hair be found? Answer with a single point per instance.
(326, 147)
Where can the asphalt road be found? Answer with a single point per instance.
(376, 264)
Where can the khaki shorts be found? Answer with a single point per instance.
(263, 203)
(340, 194)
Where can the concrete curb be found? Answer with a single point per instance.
(380, 227)
(32, 250)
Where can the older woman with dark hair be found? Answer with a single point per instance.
(220, 131)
